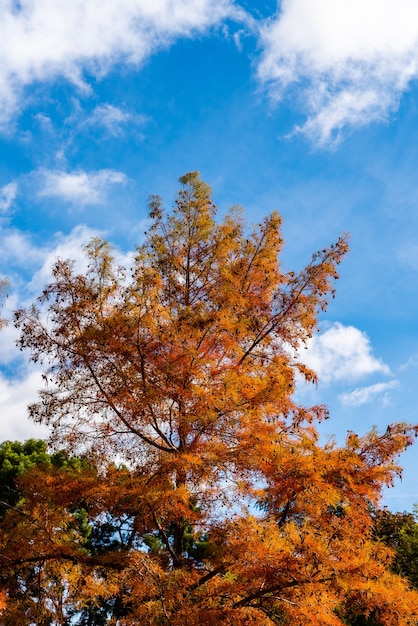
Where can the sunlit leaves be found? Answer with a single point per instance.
(228, 509)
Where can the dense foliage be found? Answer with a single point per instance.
(400, 532)
(206, 496)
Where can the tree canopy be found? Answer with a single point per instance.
(208, 496)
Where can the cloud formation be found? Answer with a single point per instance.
(343, 354)
(347, 62)
(112, 119)
(15, 396)
(7, 195)
(64, 247)
(79, 187)
(362, 395)
(28, 266)
(18, 381)
(43, 40)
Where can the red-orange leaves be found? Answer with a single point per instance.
(228, 509)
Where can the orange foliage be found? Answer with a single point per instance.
(228, 509)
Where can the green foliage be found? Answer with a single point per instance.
(400, 532)
(16, 458)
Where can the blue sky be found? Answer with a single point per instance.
(309, 107)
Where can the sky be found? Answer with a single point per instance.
(308, 107)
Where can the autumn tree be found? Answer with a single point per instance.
(176, 377)
(23, 468)
(15, 459)
(399, 531)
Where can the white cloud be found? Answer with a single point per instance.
(71, 247)
(48, 38)
(65, 247)
(16, 250)
(15, 396)
(9, 334)
(29, 268)
(28, 265)
(112, 119)
(411, 362)
(7, 195)
(342, 353)
(350, 60)
(362, 395)
(79, 187)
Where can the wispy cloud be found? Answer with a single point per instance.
(65, 247)
(49, 38)
(342, 353)
(363, 395)
(29, 265)
(347, 62)
(113, 119)
(7, 195)
(83, 188)
(411, 362)
(17, 251)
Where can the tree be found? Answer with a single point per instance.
(23, 466)
(400, 532)
(15, 459)
(228, 508)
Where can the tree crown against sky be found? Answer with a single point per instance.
(206, 317)
(132, 95)
(229, 508)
